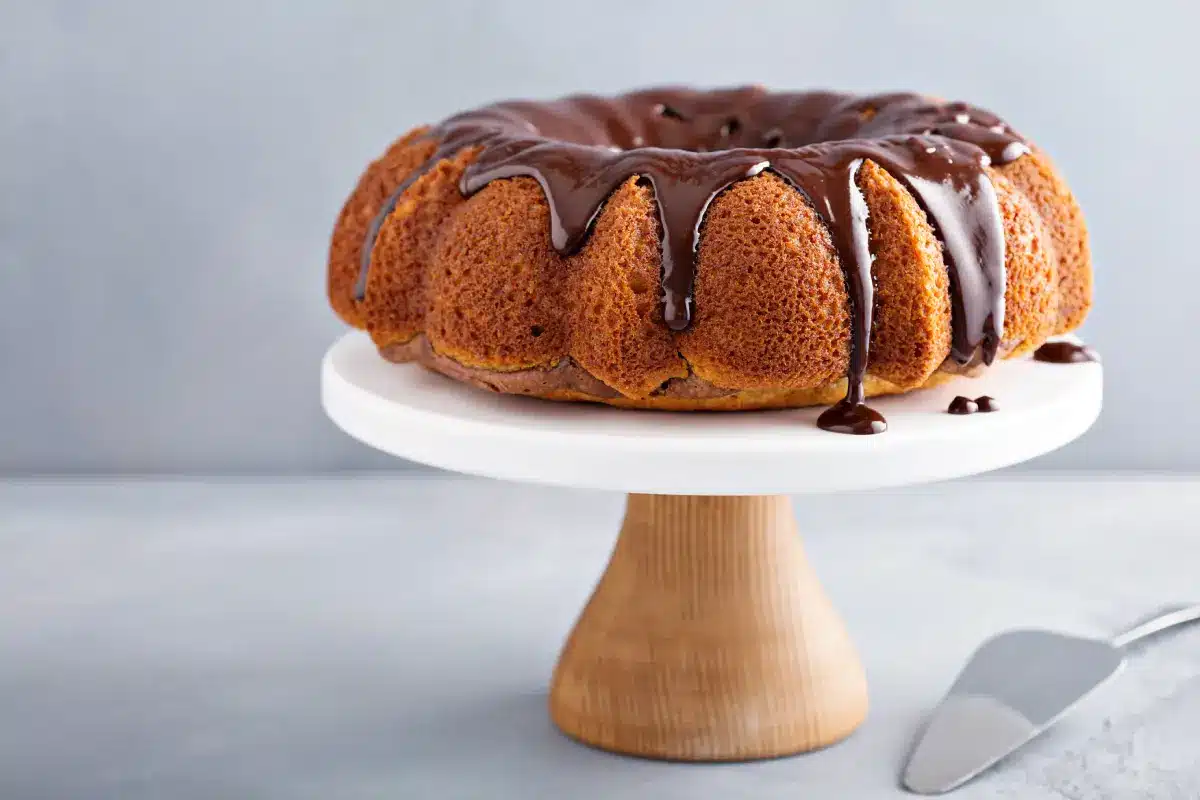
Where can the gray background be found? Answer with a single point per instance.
(171, 172)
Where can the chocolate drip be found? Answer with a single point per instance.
(577, 186)
(364, 259)
(946, 177)
(692, 145)
(1065, 353)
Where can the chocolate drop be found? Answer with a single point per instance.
(1065, 353)
(962, 405)
(856, 418)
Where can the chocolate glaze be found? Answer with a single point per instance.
(850, 416)
(1065, 353)
(691, 145)
(963, 405)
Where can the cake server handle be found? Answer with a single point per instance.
(1164, 619)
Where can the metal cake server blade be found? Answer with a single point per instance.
(1015, 686)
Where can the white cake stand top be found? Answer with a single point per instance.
(408, 411)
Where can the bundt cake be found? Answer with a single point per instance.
(731, 249)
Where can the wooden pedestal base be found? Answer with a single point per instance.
(708, 638)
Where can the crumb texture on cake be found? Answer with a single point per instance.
(472, 286)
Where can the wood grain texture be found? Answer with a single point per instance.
(708, 638)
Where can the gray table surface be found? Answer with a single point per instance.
(393, 637)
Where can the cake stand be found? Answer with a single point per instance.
(709, 637)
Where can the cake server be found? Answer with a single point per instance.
(1015, 686)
